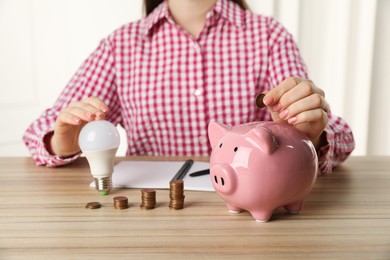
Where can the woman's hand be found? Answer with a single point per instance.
(64, 141)
(301, 104)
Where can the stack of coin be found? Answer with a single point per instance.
(121, 202)
(176, 194)
(148, 199)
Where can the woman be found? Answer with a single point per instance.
(188, 62)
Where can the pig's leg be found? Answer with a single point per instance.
(294, 207)
(261, 216)
(233, 209)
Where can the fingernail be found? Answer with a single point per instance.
(283, 114)
(277, 107)
(99, 114)
(88, 115)
(104, 109)
(292, 120)
(268, 101)
(76, 119)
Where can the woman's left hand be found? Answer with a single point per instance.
(301, 104)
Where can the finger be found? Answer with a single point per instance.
(300, 91)
(308, 103)
(273, 96)
(97, 103)
(67, 118)
(89, 106)
(315, 115)
(85, 113)
(84, 106)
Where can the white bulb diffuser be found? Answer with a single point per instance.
(99, 140)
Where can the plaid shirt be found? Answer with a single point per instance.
(164, 86)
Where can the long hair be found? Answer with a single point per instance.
(150, 5)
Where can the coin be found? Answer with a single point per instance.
(259, 100)
(93, 205)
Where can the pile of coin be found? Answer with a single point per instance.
(148, 199)
(121, 202)
(176, 194)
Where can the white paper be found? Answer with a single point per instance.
(157, 175)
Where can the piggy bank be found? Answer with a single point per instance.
(261, 166)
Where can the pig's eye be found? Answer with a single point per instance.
(220, 145)
(235, 149)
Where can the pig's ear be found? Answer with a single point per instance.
(263, 138)
(216, 131)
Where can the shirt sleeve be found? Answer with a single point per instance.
(95, 77)
(285, 61)
(338, 146)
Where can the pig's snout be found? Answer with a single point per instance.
(223, 178)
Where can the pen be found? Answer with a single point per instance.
(200, 173)
(183, 170)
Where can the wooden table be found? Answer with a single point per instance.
(43, 216)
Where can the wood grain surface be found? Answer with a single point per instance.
(43, 216)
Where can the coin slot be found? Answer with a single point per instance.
(215, 179)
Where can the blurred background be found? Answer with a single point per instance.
(345, 44)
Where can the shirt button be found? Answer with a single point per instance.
(198, 92)
(203, 139)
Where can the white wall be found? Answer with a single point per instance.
(379, 117)
(344, 43)
(42, 44)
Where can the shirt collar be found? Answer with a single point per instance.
(225, 8)
(231, 12)
(159, 13)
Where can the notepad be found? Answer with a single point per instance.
(157, 175)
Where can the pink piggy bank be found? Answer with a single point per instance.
(261, 166)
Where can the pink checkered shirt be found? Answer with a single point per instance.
(164, 87)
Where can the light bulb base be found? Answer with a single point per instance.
(103, 185)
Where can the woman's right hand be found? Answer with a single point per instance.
(64, 140)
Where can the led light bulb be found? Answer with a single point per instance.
(99, 140)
